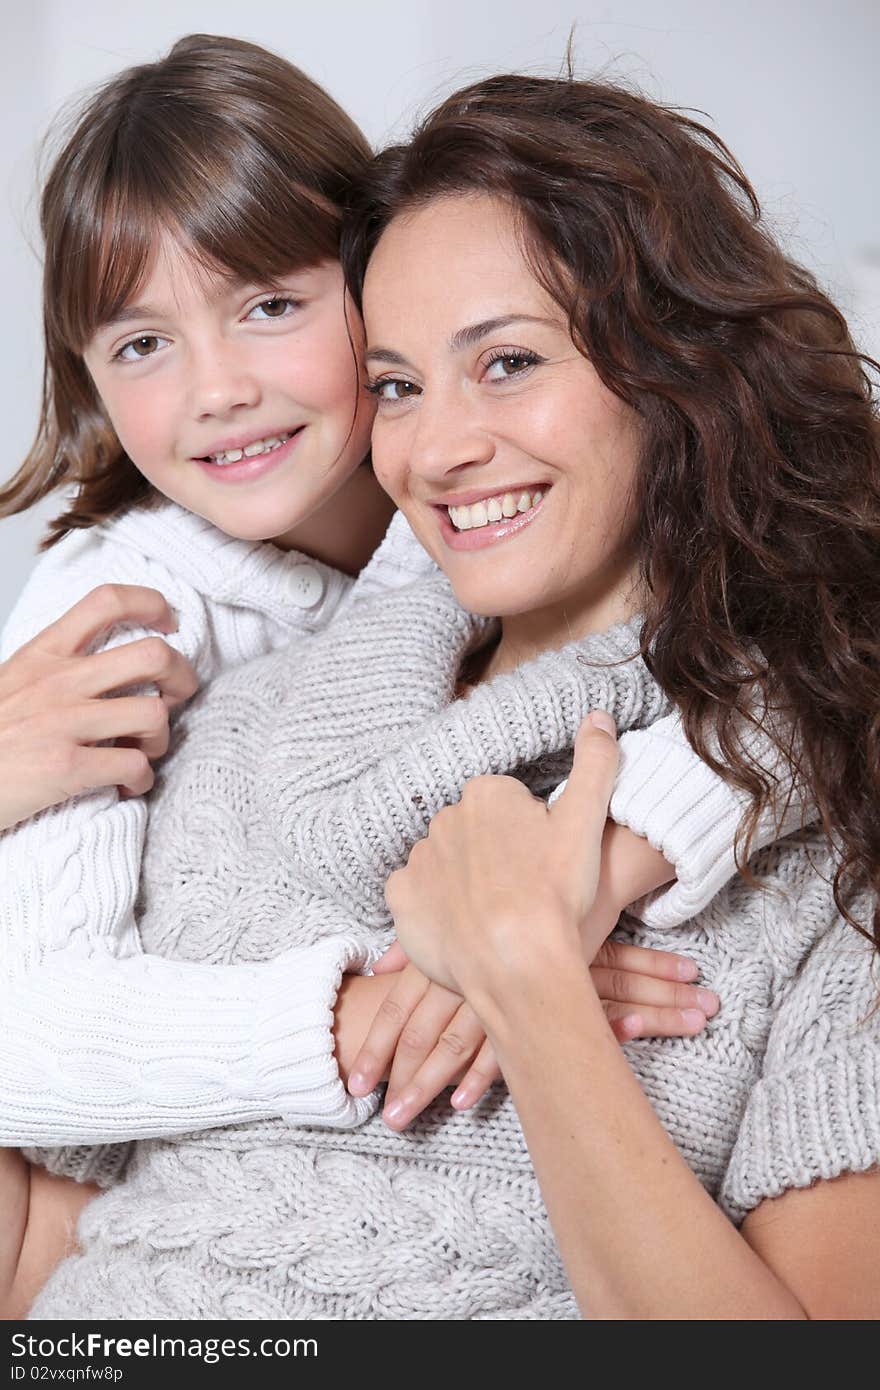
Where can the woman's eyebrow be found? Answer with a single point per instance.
(463, 337)
(469, 337)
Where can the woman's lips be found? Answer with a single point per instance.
(249, 469)
(477, 538)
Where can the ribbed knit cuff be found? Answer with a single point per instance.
(666, 794)
(295, 1045)
(806, 1125)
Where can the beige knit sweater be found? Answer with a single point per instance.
(275, 826)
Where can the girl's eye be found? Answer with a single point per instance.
(506, 364)
(144, 346)
(277, 307)
(393, 388)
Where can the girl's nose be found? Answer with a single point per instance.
(222, 383)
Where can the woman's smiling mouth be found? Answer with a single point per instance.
(472, 524)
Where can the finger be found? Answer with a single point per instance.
(628, 1024)
(582, 808)
(426, 1034)
(102, 609)
(149, 660)
(456, 1045)
(392, 1016)
(126, 768)
(141, 718)
(625, 987)
(483, 1072)
(644, 960)
(395, 958)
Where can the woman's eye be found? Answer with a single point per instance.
(275, 308)
(144, 346)
(508, 364)
(393, 388)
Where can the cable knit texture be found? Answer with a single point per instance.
(100, 1041)
(91, 1022)
(445, 1220)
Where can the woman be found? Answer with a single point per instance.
(541, 206)
(446, 1220)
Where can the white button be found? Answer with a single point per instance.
(306, 586)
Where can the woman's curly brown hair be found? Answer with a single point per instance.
(759, 484)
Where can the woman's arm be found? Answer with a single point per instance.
(624, 1204)
(37, 1231)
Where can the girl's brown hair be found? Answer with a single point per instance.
(226, 146)
(759, 487)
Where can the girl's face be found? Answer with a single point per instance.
(240, 402)
(513, 463)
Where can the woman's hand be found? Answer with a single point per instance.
(502, 882)
(53, 710)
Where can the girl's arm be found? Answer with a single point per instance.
(670, 797)
(54, 713)
(101, 1042)
(39, 1211)
(623, 1202)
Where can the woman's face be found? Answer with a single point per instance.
(511, 460)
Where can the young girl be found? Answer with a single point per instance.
(203, 396)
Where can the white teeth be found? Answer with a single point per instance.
(250, 451)
(492, 510)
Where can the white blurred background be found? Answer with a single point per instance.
(791, 85)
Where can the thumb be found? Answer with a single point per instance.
(581, 810)
(395, 958)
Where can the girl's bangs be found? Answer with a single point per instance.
(221, 216)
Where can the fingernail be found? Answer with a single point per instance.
(358, 1084)
(687, 970)
(708, 1001)
(693, 1018)
(461, 1098)
(394, 1111)
(601, 719)
(632, 1024)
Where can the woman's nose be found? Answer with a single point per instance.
(449, 437)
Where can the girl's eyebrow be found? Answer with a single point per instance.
(127, 312)
(463, 337)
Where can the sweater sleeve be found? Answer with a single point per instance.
(348, 844)
(815, 1111)
(103, 1043)
(668, 795)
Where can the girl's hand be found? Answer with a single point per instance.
(53, 712)
(432, 1035)
(428, 1036)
